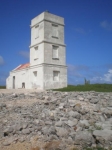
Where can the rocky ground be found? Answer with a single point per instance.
(55, 120)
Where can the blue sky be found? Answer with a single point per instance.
(88, 36)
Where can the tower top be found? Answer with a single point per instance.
(47, 16)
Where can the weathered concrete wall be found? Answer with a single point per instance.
(37, 56)
(48, 55)
(9, 82)
(49, 83)
(49, 32)
(36, 82)
(40, 36)
(43, 80)
(27, 76)
(20, 77)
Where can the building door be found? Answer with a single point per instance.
(13, 82)
(23, 85)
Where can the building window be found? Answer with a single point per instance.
(56, 75)
(55, 31)
(36, 53)
(36, 31)
(36, 48)
(55, 52)
(35, 73)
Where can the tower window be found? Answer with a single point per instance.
(35, 73)
(55, 52)
(54, 31)
(36, 53)
(56, 75)
(37, 31)
(36, 48)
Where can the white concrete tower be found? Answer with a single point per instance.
(47, 68)
(47, 51)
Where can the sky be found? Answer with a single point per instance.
(88, 36)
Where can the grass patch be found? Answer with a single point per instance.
(97, 148)
(89, 87)
(3, 87)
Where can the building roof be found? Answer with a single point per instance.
(22, 66)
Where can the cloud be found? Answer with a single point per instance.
(96, 74)
(25, 54)
(106, 78)
(106, 25)
(1, 60)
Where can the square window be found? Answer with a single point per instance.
(55, 52)
(54, 31)
(56, 75)
(37, 31)
(35, 73)
(36, 53)
(36, 48)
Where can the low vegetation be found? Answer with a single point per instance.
(3, 87)
(87, 87)
(98, 148)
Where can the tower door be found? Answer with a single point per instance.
(23, 85)
(13, 82)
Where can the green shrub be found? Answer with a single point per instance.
(3, 87)
(88, 87)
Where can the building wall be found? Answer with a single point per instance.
(37, 38)
(48, 54)
(49, 83)
(27, 76)
(9, 82)
(20, 77)
(36, 82)
(53, 34)
(43, 80)
(44, 23)
(37, 56)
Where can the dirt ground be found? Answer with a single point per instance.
(23, 102)
(19, 90)
(17, 146)
(35, 145)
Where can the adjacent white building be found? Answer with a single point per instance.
(47, 67)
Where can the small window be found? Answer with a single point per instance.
(56, 75)
(54, 25)
(35, 73)
(36, 53)
(36, 48)
(55, 52)
(54, 31)
(37, 31)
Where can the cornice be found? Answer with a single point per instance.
(31, 26)
(47, 42)
(47, 64)
(39, 65)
